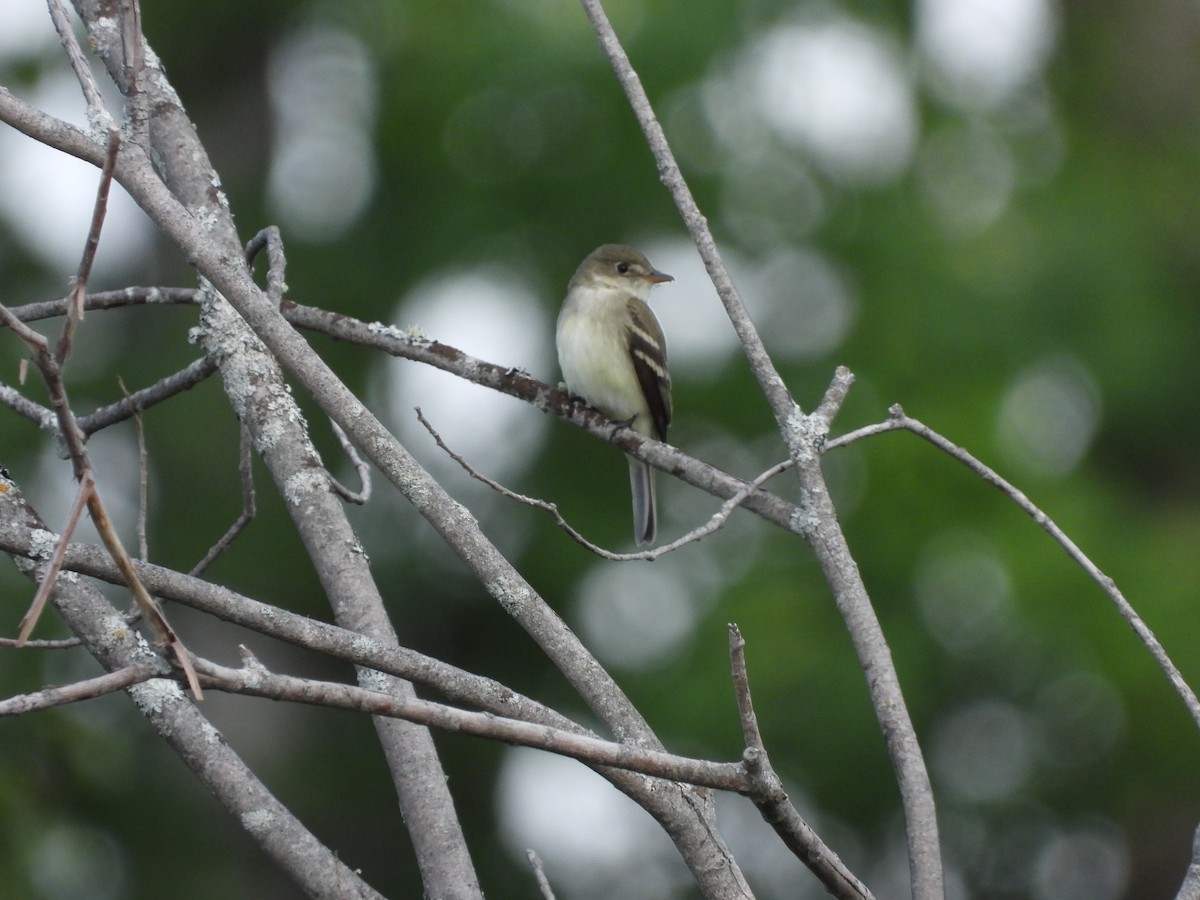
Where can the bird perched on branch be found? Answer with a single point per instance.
(613, 355)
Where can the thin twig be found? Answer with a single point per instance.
(30, 619)
(363, 470)
(81, 690)
(249, 507)
(63, 644)
(73, 439)
(835, 396)
(717, 522)
(143, 475)
(772, 801)
(859, 433)
(40, 415)
(672, 178)
(741, 689)
(129, 296)
(539, 872)
(1124, 608)
(255, 680)
(99, 211)
(98, 115)
(144, 398)
(270, 239)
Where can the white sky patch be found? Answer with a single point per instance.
(324, 97)
(840, 90)
(27, 31)
(490, 314)
(595, 842)
(48, 196)
(980, 52)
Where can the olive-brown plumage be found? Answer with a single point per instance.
(613, 354)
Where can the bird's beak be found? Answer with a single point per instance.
(657, 277)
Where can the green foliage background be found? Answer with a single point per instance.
(1093, 259)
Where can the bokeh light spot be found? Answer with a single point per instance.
(964, 593)
(1049, 415)
(323, 91)
(488, 313)
(1088, 864)
(984, 751)
(840, 90)
(980, 52)
(633, 616)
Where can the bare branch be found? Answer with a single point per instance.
(249, 505)
(257, 681)
(1124, 607)
(144, 398)
(717, 522)
(98, 114)
(358, 498)
(30, 619)
(130, 296)
(539, 872)
(51, 371)
(201, 747)
(859, 433)
(672, 178)
(769, 796)
(23, 406)
(741, 689)
(48, 130)
(108, 683)
(63, 644)
(412, 345)
(99, 211)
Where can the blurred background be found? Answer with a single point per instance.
(985, 208)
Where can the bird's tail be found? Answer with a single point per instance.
(645, 517)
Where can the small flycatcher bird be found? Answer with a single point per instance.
(612, 354)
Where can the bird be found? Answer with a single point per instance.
(613, 355)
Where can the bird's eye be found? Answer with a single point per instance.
(623, 268)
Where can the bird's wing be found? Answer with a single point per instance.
(648, 350)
